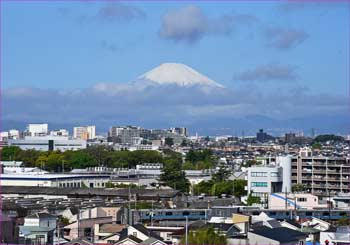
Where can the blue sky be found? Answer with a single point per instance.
(263, 46)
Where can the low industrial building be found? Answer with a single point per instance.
(55, 180)
(48, 143)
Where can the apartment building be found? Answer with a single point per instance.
(84, 132)
(321, 175)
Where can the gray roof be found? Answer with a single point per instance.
(122, 193)
(280, 234)
(150, 240)
(35, 229)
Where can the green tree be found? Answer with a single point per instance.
(10, 153)
(63, 220)
(169, 141)
(173, 176)
(41, 161)
(77, 159)
(206, 235)
(54, 161)
(202, 187)
(298, 188)
(221, 175)
(253, 199)
(184, 143)
(328, 137)
(250, 163)
(317, 146)
(344, 221)
(29, 157)
(100, 154)
(239, 187)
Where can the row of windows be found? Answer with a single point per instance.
(77, 184)
(302, 199)
(80, 185)
(264, 174)
(259, 184)
(259, 174)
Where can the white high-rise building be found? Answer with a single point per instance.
(37, 129)
(14, 133)
(60, 132)
(84, 132)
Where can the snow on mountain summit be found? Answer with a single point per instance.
(179, 74)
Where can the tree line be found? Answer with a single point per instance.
(57, 161)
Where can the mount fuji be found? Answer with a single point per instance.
(176, 74)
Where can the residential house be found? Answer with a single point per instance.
(38, 228)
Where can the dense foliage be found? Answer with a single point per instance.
(344, 221)
(206, 235)
(92, 156)
(201, 159)
(220, 184)
(228, 187)
(328, 137)
(174, 176)
(298, 188)
(253, 199)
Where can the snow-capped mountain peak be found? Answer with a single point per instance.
(177, 74)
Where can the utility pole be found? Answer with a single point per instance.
(329, 204)
(285, 196)
(186, 233)
(295, 205)
(58, 232)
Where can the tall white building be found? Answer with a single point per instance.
(180, 131)
(60, 132)
(84, 132)
(266, 179)
(37, 129)
(11, 134)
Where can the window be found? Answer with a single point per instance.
(275, 174)
(308, 214)
(168, 213)
(302, 199)
(40, 239)
(259, 184)
(259, 174)
(134, 234)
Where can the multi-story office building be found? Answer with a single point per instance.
(262, 136)
(84, 132)
(266, 179)
(321, 175)
(37, 129)
(180, 131)
(125, 134)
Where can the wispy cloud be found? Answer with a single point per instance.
(284, 38)
(269, 72)
(190, 24)
(119, 12)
